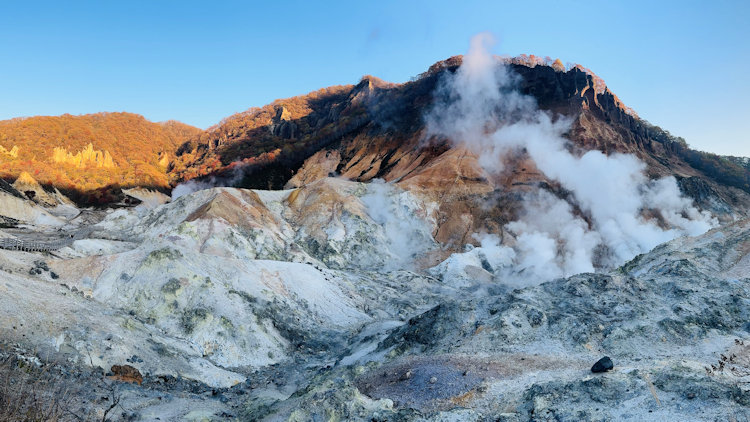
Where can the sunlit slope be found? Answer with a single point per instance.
(83, 153)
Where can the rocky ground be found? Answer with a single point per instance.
(327, 302)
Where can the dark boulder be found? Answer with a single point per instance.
(603, 365)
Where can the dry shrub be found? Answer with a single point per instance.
(31, 392)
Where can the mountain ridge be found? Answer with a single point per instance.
(556, 90)
(376, 130)
(374, 126)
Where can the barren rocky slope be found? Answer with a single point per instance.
(306, 304)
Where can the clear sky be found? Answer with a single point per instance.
(682, 65)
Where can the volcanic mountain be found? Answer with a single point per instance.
(470, 245)
(376, 129)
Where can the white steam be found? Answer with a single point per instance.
(480, 108)
(194, 185)
(186, 188)
(407, 236)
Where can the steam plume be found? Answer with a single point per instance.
(406, 235)
(194, 185)
(479, 107)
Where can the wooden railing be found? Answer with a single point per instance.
(16, 244)
(33, 246)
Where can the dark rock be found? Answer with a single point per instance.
(603, 365)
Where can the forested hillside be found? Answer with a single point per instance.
(83, 155)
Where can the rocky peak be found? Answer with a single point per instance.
(550, 83)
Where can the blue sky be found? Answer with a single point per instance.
(680, 64)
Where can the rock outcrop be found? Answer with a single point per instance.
(86, 157)
(12, 153)
(26, 211)
(149, 198)
(321, 165)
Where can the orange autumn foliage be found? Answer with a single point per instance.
(89, 152)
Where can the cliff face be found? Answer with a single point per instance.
(377, 130)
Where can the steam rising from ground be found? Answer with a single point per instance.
(194, 185)
(406, 234)
(479, 107)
